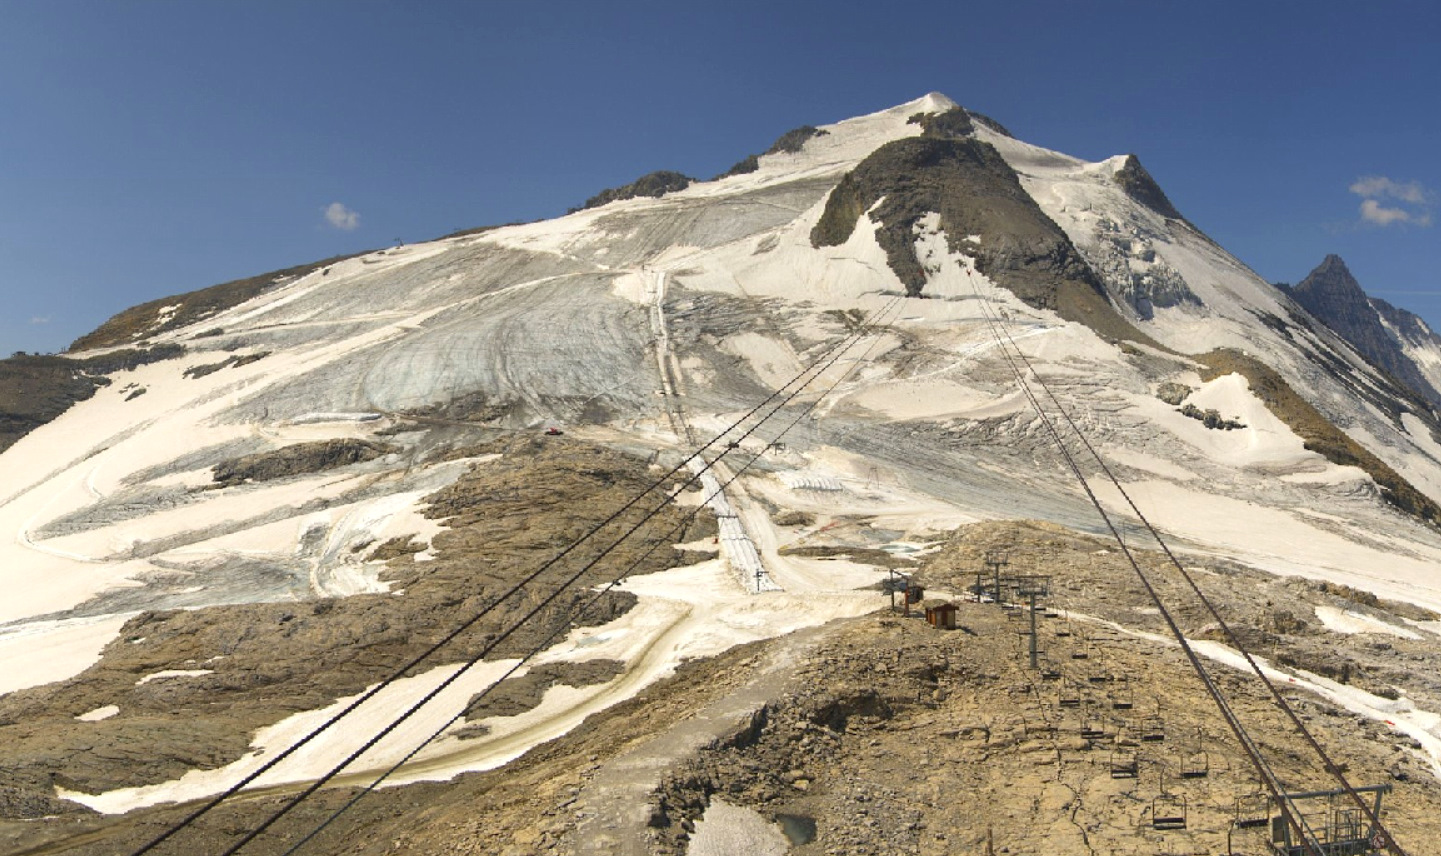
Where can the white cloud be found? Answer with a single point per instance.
(1374, 212)
(337, 215)
(1381, 187)
(37, 320)
(1413, 201)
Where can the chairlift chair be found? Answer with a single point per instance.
(1123, 764)
(1252, 811)
(1197, 766)
(1122, 698)
(1168, 811)
(1153, 729)
(1068, 694)
(1093, 725)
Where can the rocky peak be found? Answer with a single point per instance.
(1140, 186)
(1332, 294)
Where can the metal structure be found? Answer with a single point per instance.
(1123, 764)
(996, 560)
(1032, 587)
(1121, 695)
(1330, 830)
(1168, 811)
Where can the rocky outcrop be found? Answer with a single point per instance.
(1317, 432)
(654, 184)
(231, 362)
(794, 140)
(790, 142)
(1334, 296)
(975, 192)
(298, 459)
(255, 663)
(36, 388)
(1140, 186)
(953, 124)
(514, 696)
(1406, 325)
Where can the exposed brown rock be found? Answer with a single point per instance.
(298, 459)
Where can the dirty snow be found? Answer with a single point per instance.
(1348, 621)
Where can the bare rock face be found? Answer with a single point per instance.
(1140, 186)
(148, 319)
(954, 124)
(790, 142)
(794, 140)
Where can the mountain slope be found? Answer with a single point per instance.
(331, 467)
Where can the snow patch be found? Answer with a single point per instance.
(1348, 622)
(173, 673)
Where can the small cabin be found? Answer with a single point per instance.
(942, 616)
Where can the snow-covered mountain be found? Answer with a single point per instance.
(315, 466)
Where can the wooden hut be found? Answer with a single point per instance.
(942, 616)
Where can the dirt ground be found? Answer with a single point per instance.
(890, 736)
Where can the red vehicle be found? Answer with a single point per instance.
(553, 431)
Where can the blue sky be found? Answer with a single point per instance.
(150, 148)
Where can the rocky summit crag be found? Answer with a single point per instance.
(1377, 330)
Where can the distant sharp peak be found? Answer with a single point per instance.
(1331, 279)
(1386, 337)
(1333, 265)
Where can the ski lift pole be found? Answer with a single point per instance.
(1033, 630)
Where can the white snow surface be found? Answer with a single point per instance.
(1349, 621)
(173, 673)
